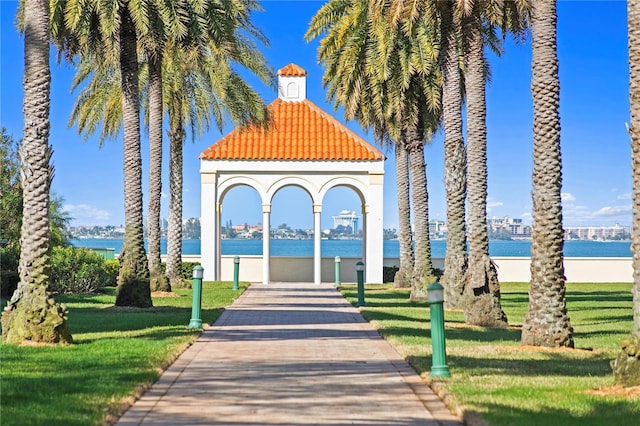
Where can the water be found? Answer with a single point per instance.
(353, 248)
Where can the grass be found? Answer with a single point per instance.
(117, 353)
(496, 381)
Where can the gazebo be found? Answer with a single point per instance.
(304, 147)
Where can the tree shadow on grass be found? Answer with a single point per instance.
(152, 323)
(384, 298)
(601, 411)
(552, 364)
(377, 315)
(598, 296)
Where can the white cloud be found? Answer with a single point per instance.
(163, 195)
(626, 196)
(567, 197)
(493, 204)
(85, 212)
(613, 211)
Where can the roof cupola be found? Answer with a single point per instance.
(292, 83)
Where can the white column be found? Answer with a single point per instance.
(317, 238)
(218, 242)
(372, 215)
(266, 240)
(365, 233)
(208, 232)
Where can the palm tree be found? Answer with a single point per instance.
(199, 87)
(385, 79)
(404, 274)
(626, 367)
(546, 322)
(633, 14)
(157, 279)
(455, 166)
(32, 314)
(482, 289)
(109, 32)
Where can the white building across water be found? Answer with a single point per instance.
(346, 218)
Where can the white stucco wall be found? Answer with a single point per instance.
(510, 269)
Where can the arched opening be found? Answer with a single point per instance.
(292, 235)
(241, 221)
(342, 223)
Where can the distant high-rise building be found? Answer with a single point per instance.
(346, 218)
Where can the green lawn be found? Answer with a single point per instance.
(495, 380)
(117, 352)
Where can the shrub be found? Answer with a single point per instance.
(111, 267)
(8, 283)
(78, 270)
(389, 273)
(9, 278)
(187, 269)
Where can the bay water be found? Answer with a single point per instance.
(353, 248)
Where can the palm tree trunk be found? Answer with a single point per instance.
(482, 290)
(423, 267)
(404, 274)
(455, 263)
(546, 322)
(626, 367)
(133, 279)
(158, 281)
(174, 237)
(32, 314)
(633, 16)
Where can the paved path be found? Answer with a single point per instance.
(290, 354)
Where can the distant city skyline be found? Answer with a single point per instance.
(594, 107)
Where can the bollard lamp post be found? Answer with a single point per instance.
(236, 272)
(360, 273)
(435, 299)
(196, 321)
(337, 271)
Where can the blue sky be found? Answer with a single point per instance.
(594, 103)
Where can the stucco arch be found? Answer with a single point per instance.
(285, 181)
(357, 186)
(235, 181)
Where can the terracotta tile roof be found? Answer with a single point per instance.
(298, 131)
(292, 70)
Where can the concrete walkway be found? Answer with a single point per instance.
(290, 354)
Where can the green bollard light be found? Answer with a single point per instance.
(236, 272)
(337, 271)
(435, 299)
(360, 272)
(196, 321)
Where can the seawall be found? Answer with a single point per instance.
(510, 269)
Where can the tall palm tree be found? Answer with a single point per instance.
(633, 17)
(546, 322)
(201, 87)
(32, 314)
(385, 79)
(157, 279)
(482, 290)
(347, 23)
(109, 31)
(455, 168)
(178, 22)
(404, 274)
(626, 367)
